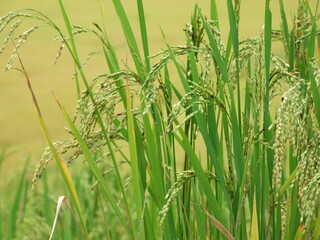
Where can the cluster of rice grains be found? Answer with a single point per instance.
(183, 178)
(296, 124)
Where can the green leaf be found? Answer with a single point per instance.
(233, 28)
(285, 26)
(317, 228)
(136, 179)
(144, 35)
(254, 221)
(13, 217)
(93, 166)
(131, 40)
(315, 93)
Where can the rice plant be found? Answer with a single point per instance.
(185, 144)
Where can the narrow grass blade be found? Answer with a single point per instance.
(46, 198)
(93, 166)
(312, 41)
(292, 214)
(266, 157)
(214, 12)
(318, 38)
(16, 203)
(285, 26)
(254, 221)
(114, 66)
(300, 233)
(218, 225)
(292, 50)
(134, 157)
(267, 55)
(111, 58)
(200, 218)
(61, 164)
(235, 43)
(317, 228)
(69, 29)
(155, 162)
(233, 28)
(288, 182)
(127, 30)
(144, 35)
(215, 50)
(315, 93)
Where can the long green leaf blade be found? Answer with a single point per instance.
(93, 166)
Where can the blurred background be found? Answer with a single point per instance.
(19, 127)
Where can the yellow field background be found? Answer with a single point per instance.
(19, 128)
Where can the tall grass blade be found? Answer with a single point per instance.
(214, 12)
(317, 228)
(219, 226)
(61, 164)
(93, 166)
(266, 157)
(46, 198)
(315, 93)
(127, 30)
(215, 50)
(134, 157)
(285, 27)
(312, 41)
(254, 221)
(300, 233)
(144, 35)
(13, 218)
(233, 28)
(235, 43)
(292, 213)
